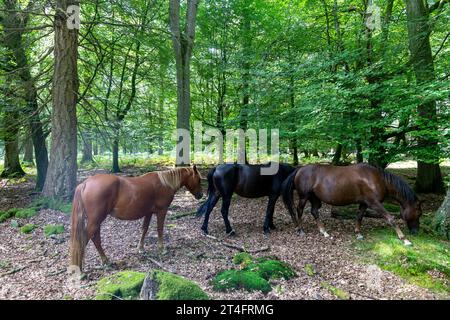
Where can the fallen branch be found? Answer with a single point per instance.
(181, 215)
(160, 266)
(236, 247)
(12, 271)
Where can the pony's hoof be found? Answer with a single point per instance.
(141, 251)
(359, 236)
(407, 242)
(272, 227)
(204, 231)
(231, 233)
(301, 233)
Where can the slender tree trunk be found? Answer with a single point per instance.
(337, 155)
(62, 171)
(183, 41)
(28, 150)
(115, 154)
(442, 217)
(295, 160)
(429, 177)
(12, 166)
(87, 147)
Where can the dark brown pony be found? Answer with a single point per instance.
(125, 198)
(360, 183)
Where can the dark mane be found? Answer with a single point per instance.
(401, 186)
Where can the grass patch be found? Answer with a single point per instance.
(52, 229)
(413, 263)
(21, 213)
(272, 269)
(242, 258)
(28, 228)
(309, 269)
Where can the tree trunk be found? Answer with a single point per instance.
(14, 24)
(442, 217)
(12, 166)
(87, 147)
(62, 171)
(28, 150)
(429, 178)
(183, 41)
(115, 155)
(295, 160)
(337, 155)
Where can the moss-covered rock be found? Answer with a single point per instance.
(272, 269)
(174, 287)
(52, 229)
(124, 285)
(240, 279)
(242, 258)
(28, 228)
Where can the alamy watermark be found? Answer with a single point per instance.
(73, 17)
(232, 146)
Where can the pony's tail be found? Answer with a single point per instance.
(78, 233)
(287, 191)
(211, 191)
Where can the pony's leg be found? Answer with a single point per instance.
(361, 211)
(160, 218)
(315, 206)
(96, 239)
(378, 207)
(300, 208)
(211, 205)
(268, 222)
(226, 201)
(145, 225)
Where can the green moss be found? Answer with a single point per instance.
(174, 287)
(26, 212)
(413, 263)
(272, 269)
(5, 215)
(242, 258)
(28, 228)
(240, 279)
(309, 269)
(341, 294)
(124, 285)
(51, 229)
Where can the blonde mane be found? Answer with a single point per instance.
(171, 178)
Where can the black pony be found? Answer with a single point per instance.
(247, 181)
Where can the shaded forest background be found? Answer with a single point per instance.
(341, 80)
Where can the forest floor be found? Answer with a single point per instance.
(33, 266)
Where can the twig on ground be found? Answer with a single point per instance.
(12, 271)
(236, 247)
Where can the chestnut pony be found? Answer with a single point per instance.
(360, 183)
(125, 198)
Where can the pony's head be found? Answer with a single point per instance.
(193, 183)
(410, 213)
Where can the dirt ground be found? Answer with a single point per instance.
(34, 267)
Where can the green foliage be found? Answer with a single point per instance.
(28, 228)
(53, 229)
(240, 279)
(174, 287)
(5, 215)
(414, 263)
(125, 285)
